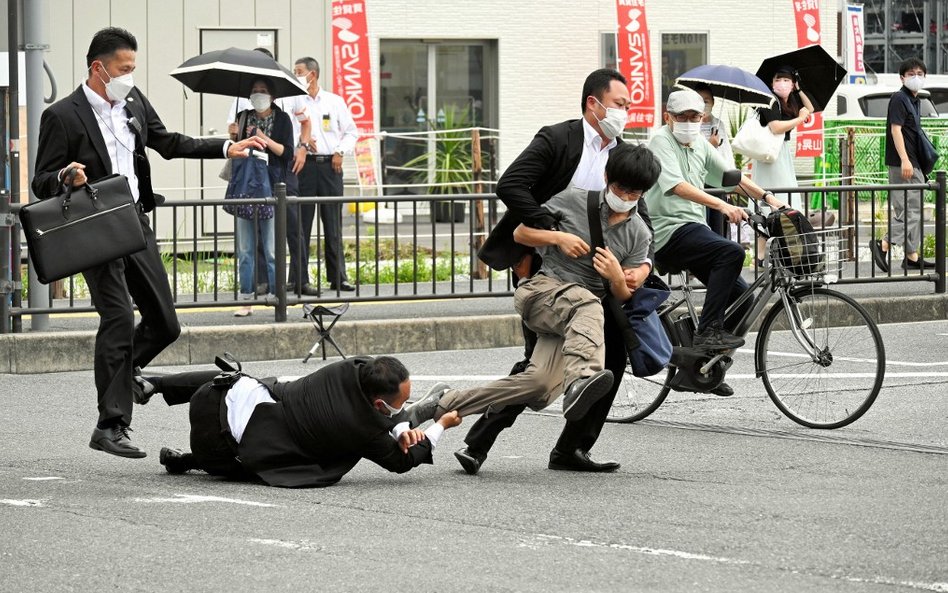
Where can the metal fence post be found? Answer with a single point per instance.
(940, 179)
(6, 280)
(279, 230)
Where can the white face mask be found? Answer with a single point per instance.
(618, 204)
(614, 122)
(260, 101)
(303, 81)
(118, 87)
(914, 83)
(392, 411)
(686, 132)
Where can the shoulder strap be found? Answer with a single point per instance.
(242, 124)
(595, 226)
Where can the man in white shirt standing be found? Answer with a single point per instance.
(333, 135)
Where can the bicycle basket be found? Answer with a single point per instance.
(813, 255)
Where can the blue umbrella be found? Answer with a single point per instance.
(728, 82)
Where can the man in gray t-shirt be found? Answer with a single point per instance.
(561, 303)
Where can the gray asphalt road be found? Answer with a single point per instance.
(714, 495)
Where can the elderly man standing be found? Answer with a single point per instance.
(333, 135)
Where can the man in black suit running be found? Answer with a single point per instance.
(570, 154)
(103, 128)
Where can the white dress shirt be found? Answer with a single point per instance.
(118, 136)
(333, 128)
(591, 172)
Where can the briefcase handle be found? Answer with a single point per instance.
(93, 192)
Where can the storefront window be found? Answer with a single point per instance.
(681, 52)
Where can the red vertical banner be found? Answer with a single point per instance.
(810, 133)
(352, 77)
(635, 61)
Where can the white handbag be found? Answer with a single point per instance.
(757, 142)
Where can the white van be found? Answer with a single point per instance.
(871, 101)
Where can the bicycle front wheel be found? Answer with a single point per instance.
(829, 374)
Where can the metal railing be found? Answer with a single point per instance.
(399, 251)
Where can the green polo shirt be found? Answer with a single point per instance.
(699, 164)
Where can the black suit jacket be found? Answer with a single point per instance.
(69, 131)
(319, 428)
(541, 171)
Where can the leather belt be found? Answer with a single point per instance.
(319, 158)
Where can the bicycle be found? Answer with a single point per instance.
(809, 343)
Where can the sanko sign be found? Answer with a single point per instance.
(635, 63)
(351, 68)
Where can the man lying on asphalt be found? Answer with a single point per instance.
(307, 432)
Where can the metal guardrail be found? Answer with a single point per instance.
(400, 258)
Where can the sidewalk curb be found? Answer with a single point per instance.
(47, 352)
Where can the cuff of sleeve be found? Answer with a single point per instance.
(227, 144)
(399, 429)
(434, 433)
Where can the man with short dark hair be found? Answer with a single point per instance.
(564, 157)
(103, 128)
(902, 137)
(333, 134)
(300, 432)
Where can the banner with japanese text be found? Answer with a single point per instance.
(352, 78)
(809, 133)
(853, 30)
(635, 61)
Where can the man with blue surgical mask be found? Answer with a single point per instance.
(301, 431)
(676, 203)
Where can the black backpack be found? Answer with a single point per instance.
(798, 245)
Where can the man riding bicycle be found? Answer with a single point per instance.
(683, 239)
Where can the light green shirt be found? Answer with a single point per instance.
(698, 164)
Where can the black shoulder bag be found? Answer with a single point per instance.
(646, 342)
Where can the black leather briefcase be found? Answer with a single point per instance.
(85, 227)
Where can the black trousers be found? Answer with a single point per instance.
(715, 261)
(577, 434)
(212, 445)
(120, 345)
(318, 179)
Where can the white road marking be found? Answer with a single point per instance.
(21, 503)
(300, 546)
(878, 580)
(45, 478)
(195, 498)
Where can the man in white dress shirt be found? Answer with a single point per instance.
(333, 135)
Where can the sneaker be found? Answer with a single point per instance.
(723, 390)
(583, 393)
(143, 388)
(919, 264)
(424, 409)
(243, 312)
(714, 337)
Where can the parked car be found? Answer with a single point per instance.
(869, 101)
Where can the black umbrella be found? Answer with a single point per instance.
(818, 72)
(233, 71)
(728, 82)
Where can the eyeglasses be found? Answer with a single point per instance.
(684, 117)
(625, 193)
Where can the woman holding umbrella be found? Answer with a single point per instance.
(269, 123)
(793, 108)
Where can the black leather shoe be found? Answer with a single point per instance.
(471, 461)
(724, 390)
(114, 440)
(919, 264)
(142, 387)
(579, 461)
(309, 290)
(519, 366)
(878, 256)
(342, 286)
(583, 393)
(175, 461)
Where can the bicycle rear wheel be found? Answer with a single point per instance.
(837, 385)
(639, 396)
